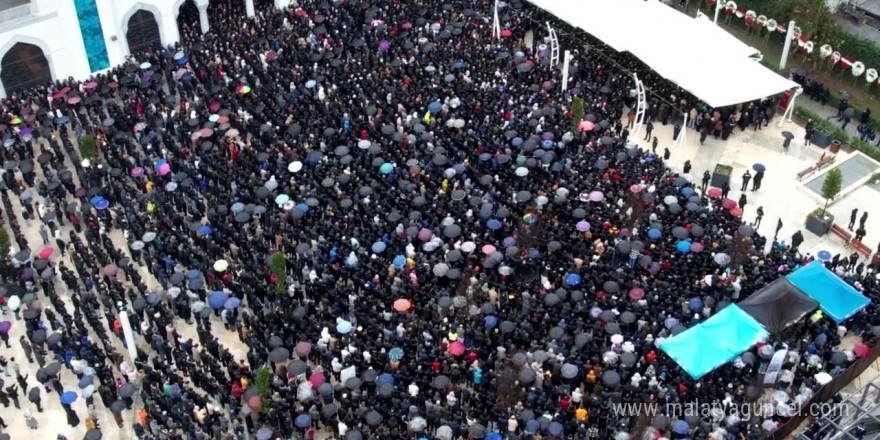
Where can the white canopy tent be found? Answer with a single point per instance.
(700, 59)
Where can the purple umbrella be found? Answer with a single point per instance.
(26, 131)
(670, 322)
(384, 45)
(5, 326)
(27, 273)
(137, 172)
(582, 226)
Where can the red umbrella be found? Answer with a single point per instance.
(635, 189)
(728, 204)
(456, 348)
(736, 212)
(214, 106)
(46, 252)
(714, 192)
(316, 379)
(861, 350)
(506, 33)
(636, 293)
(61, 93)
(403, 305)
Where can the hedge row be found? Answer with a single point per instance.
(824, 125)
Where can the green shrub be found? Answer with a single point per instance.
(263, 382)
(88, 146)
(577, 113)
(4, 244)
(278, 266)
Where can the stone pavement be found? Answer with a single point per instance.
(781, 195)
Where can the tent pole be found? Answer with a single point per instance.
(566, 61)
(718, 6)
(789, 110)
(496, 23)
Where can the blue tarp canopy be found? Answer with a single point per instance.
(837, 299)
(718, 340)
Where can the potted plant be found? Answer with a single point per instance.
(88, 147)
(820, 221)
(577, 113)
(278, 266)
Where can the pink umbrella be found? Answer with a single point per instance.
(74, 100)
(456, 348)
(586, 125)
(636, 293)
(303, 348)
(728, 203)
(137, 172)
(582, 226)
(635, 189)
(206, 132)
(861, 350)
(597, 196)
(316, 379)
(91, 85)
(488, 249)
(164, 169)
(697, 247)
(425, 234)
(384, 45)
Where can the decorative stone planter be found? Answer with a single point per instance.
(817, 224)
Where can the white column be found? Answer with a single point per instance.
(170, 32)
(249, 7)
(787, 45)
(129, 336)
(496, 23)
(789, 110)
(203, 16)
(565, 63)
(281, 4)
(719, 5)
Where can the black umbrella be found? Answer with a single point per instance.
(117, 406)
(787, 135)
(93, 434)
(127, 390)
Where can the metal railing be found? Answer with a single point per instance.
(15, 13)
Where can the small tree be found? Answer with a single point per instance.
(88, 146)
(577, 113)
(4, 244)
(278, 265)
(263, 383)
(831, 187)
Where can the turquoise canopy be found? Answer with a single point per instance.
(837, 299)
(718, 340)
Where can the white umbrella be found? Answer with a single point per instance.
(295, 166)
(823, 378)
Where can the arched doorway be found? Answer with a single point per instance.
(188, 20)
(24, 66)
(143, 32)
(227, 15)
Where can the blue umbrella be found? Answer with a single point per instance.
(386, 168)
(493, 436)
(195, 284)
(534, 253)
(650, 158)
(654, 233)
(237, 207)
(399, 261)
(378, 247)
(687, 191)
(458, 64)
(491, 321)
(759, 167)
(435, 107)
(182, 61)
(680, 427)
(282, 199)
(232, 303)
(310, 84)
(102, 204)
(547, 144)
(63, 119)
(204, 230)
(193, 274)
(516, 142)
(683, 246)
(95, 199)
(395, 354)
(68, 397)
(555, 429)
(303, 421)
(696, 305)
(303, 207)
(572, 279)
(159, 163)
(343, 327)
(86, 381)
(824, 256)
(384, 378)
(494, 224)
(217, 299)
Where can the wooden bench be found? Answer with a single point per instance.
(805, 173)
(860, 247)
(844, 235)
(822, 163)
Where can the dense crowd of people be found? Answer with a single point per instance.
(393, 211)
